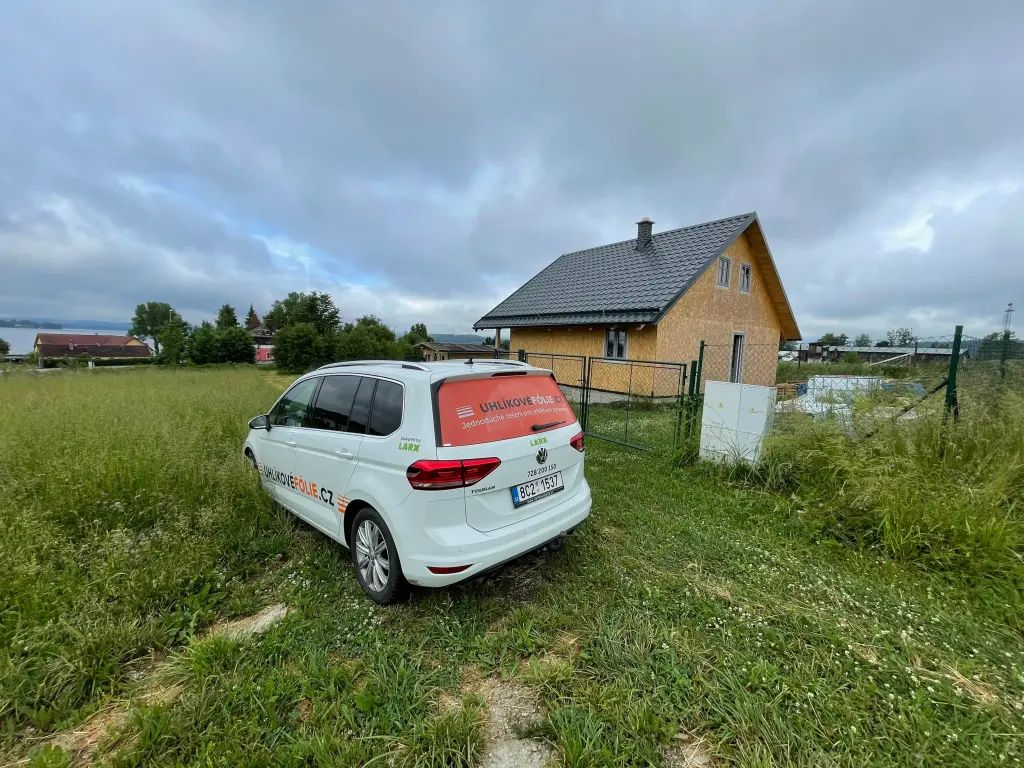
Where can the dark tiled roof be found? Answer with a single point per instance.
(83, 339)
(451, 346)
(94, 350)
(617, 283)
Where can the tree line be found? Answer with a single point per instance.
(306, 330)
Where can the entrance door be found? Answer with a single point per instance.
(736, 368)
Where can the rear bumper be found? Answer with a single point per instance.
(485, 551)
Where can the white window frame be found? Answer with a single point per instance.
(746, 277)
(625, 343)
(726, 263)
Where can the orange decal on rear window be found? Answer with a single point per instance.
(473, 411)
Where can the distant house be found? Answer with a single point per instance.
(261, 335)
(655, 297)
(438, 350)
(88, 345)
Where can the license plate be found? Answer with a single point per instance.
(536, 489)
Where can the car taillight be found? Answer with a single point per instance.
(440, 474)
(577, 442)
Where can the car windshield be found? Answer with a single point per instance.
(474, 411)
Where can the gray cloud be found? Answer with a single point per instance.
(420, 161)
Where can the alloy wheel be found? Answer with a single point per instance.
(372, 557)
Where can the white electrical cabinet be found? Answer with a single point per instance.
(735, 419)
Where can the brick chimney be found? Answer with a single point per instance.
(643, 233)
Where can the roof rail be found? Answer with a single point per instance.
(495, 361)
(402, 363)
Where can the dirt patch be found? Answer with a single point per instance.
(689, 752)
(982, 692)
(81, 742)
(510, 708)
(251, 625)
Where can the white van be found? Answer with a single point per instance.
(428, 472)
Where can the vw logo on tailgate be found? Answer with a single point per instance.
(542, 455)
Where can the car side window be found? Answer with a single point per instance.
(361, 406)
(291, 409)
(386, 415)
(334, 403)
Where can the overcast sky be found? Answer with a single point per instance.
(420, 161)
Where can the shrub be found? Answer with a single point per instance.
(297, 348)
(234, 345)
(949, 496)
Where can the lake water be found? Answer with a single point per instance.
(22, 339)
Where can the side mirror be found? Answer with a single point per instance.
(259, 422)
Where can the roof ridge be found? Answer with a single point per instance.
(747, 215)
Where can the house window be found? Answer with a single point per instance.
(615, 343)
(746, 275)
(724, 268)
(736, 364)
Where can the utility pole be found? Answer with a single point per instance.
(1005, 351)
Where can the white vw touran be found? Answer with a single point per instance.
(428, 472)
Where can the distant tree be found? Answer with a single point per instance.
(173, 340)
(252, 320)
(864, 340)
(316, 309)
(367, 339)
(788, 346)
(489, 341)
(417, 334)
(4, 347)
(850, 357)
(296, 347)
(234, 345)
(834, 340)
(901, 337)
(151, 319)
(201, 348)
(226, 317)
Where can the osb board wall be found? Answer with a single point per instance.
(583, 340)
(714, 314)
(637, 379)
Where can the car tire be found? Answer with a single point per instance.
(375, 558)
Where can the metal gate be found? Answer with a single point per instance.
(635, 403)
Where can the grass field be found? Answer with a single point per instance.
(686, 620)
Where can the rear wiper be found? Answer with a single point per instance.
(549, 425)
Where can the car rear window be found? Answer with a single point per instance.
(474, 411)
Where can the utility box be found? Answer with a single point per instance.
(735, 419)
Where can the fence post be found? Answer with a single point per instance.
(952, 404)
(522, 355)
(691, 395)
(700, 365)
(585, 382)
(680, 406)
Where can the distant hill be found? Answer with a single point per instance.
(98, 325)
(458, 338)
(11, 322)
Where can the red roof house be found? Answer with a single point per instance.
(90, 345)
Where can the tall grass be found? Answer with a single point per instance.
(950, 495)
(129, 520)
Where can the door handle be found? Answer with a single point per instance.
(290, 442)
(345, 453)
